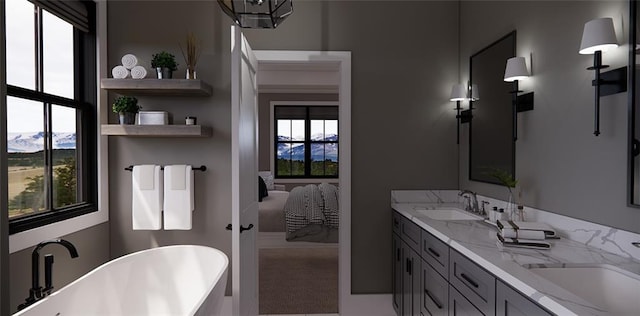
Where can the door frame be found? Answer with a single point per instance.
(341, 59)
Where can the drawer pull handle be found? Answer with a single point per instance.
(398, 254)
(469, 280)
(395, 222)
(433, 252)
(433, 299)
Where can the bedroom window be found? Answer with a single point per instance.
(306, 142)
(51, 111)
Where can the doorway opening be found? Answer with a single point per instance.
(298, 275)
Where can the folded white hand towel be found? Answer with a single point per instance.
(129, 61)
(178, 197)
(120, 72)
(515, 229)
(138, 72)
(146, 197)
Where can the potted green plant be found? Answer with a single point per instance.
(165, 64)
(126, 107)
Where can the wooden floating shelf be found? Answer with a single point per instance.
(156, 130)
(166, 87)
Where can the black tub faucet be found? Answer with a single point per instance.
(37, 292)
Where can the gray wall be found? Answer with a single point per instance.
(264, 118)
(562, 167)
(144, 28)
(93, 250)
(404, 61)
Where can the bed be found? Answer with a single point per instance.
(271, 211)
(312, 214)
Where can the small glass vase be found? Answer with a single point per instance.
(512, 209)
(191, 74)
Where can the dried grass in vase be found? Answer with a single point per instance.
(192, 54)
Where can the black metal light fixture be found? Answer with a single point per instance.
(459, 93)
(257, 14)
(599, 36)
(516, 70)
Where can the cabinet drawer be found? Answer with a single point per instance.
(436, 253)
(476, 284)
(408, 231)
(509, 302)
(396, 222)
(460, 306)
(434, 299)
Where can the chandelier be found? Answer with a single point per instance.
(257, 14)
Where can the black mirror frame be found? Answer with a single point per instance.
(632, 142)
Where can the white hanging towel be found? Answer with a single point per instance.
(178, 197)
(146, 197)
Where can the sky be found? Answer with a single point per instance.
(23, 115)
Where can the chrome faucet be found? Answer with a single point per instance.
(472, 201)
(37, 292)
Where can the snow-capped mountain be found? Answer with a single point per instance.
(318, 151)
(34, 141)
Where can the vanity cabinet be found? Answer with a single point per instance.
(406, 266)
(510, 302)
(430, 278)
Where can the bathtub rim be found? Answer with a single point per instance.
(201, 300)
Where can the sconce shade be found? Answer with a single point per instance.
(516, 69)
(257, 14)
(458, 92)
(598, 35)
(475, 92)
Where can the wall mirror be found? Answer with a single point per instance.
(634, 113)
(491, 143)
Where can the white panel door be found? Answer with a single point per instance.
(244, 168)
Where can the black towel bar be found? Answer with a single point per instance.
(201, 168)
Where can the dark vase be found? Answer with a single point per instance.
(127, 118)
(164, 73)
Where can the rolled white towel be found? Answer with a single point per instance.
(120, 72)
(138, 72)
(129, 61)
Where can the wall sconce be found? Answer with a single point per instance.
(516, 70)
(257, 14)
(460, 92)
(599, 36)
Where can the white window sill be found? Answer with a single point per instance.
(32, 237)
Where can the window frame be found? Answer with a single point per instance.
(85, 100)
(307, 142)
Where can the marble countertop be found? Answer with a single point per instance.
(477, 241)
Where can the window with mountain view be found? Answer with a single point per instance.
(50, 112)
(306, 141)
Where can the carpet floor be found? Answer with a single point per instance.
(298, 281)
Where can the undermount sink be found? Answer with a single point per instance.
(447, 214)
(605, 286)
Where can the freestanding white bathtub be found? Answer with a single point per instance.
(171, 280)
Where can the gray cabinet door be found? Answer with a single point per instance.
(434, 299)
(460, 306)
(411, 281)
(511, 303)
(475, 283)
(397, 273)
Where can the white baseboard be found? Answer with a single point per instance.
(359, 305)
(368, 304)
(277, 240)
